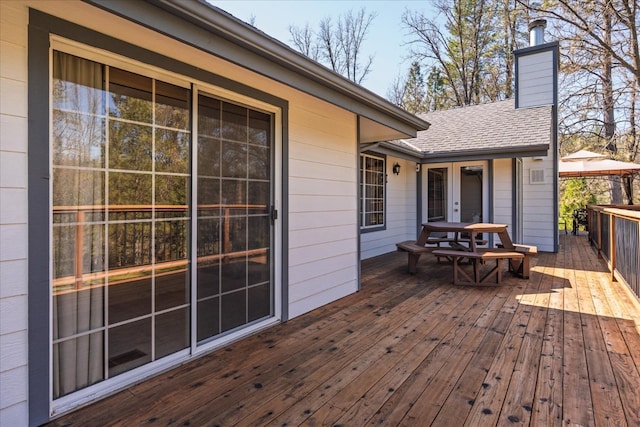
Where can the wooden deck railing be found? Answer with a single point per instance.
(615, 232)
(72, 275)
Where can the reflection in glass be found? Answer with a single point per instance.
(234, 160)
(437, 194)
(127, 190)
(471, 193)
(259, 162)
(171, 196)
(258, 197)
(129, 297)
(209, 111)
(259, 128)
(208, 156)
(78, 139)
(130, 146)
(130, 96)
(78, 189)
(258, 267)
(172, 106)
(208, 323)
(233, 271)
(129, 245)
(78, 84)
(108, 305)
(129, 346)
(208, 277)
(236, 237)
(258, 231)
(259, 302)
(172, 332)
(78, 311)
(208, 197)
(234, 197)
(234, 122)
(208, 237)
(172, 151)
(234, 310)
(172, 286)
(233, 248)
(78, 363)
(171, 240)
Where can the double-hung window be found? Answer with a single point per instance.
(372, 191)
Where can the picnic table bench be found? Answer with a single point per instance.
(478, 257)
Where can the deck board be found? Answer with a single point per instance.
(562, 348)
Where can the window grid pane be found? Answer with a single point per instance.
(372, 191)
(121, 149)
(120, 154)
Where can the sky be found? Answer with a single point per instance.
(386, 39)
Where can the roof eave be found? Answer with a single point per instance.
(227, 26)
(490, 153)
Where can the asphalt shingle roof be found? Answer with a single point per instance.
(492, 128)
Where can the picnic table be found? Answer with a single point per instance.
(465, 244)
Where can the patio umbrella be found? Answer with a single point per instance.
(583, 155)
(595, 167)
(585, 163)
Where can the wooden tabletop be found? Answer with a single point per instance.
(473, 228)
(464, 226)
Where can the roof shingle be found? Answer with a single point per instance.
(492, 128)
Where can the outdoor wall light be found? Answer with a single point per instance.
(418, 167)
(396, 169)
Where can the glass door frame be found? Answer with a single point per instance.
(84, 395)
(276, 226)
(453, 188)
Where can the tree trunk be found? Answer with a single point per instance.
(608, 104)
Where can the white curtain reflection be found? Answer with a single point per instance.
(78, 248)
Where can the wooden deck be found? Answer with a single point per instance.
(562, 348)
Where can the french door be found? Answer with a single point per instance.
(456, 192)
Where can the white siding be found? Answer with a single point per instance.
(323, 262)
(502, 193)
(538, 205)
(400, 211)
(535, 79)
(13, 214)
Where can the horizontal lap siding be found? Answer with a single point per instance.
(13, 214)
(535, 79)
(401, 214)
(503, 193)
(538, 205)
(322, 204)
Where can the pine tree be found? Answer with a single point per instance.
(414, 94)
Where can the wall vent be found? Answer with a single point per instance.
(536, 176)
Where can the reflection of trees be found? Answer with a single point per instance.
(148, 175)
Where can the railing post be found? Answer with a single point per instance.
(226, 246)
(79, 248)
(612, 245)
(599, 214)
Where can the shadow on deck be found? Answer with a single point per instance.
(560, 348)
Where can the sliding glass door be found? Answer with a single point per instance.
(234, 231)
(156, 200)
